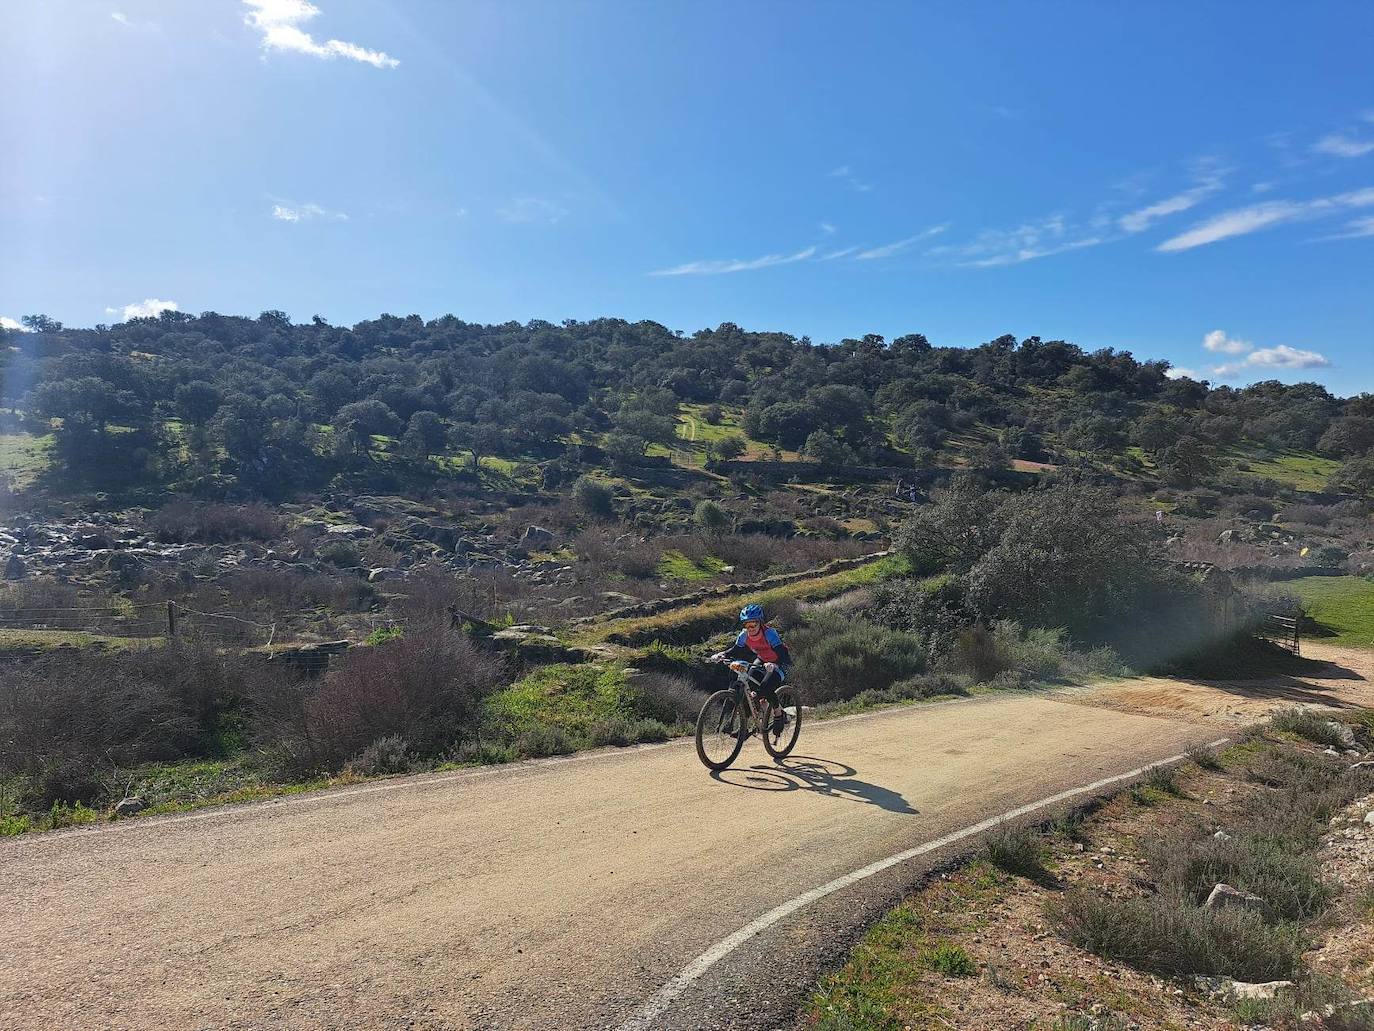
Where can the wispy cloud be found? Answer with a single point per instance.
(846, 175)
(1354, 230)
(717, 268)
(1218, 342)
(887, 250)
(1241, 221)
(827, 229)
(1343, 146)
(306, 213)
(280, 23)
(120, 17)
(1209, 182)
(1026, 242)
(146, 309)
(843, 252)
(526, 210)
(8, 323)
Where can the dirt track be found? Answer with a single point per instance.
(555, 894)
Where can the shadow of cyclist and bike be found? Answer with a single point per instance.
(821, 776)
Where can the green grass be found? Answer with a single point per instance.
(676, 566)
(24, 457)
(1343, 604)
(723, 610)
(48, 640)
(571, 698)
(1301, 470)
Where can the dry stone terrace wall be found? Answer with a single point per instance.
(660, 605)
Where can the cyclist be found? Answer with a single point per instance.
(759, 641)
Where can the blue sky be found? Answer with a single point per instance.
(1187, 181)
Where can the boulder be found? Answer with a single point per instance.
(536, 538)
(1224, 896)
(347, 532)
(1343, 733)
(1262, 990)
(385, 574)
(129, 807)
(15, 568)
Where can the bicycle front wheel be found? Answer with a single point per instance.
(720, 730)
(781, 740)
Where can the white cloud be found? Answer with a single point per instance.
(280, 23)
(1354, 230)
(1285, 357)
(1178, 372)
(847, 176)
(1217, 341)
(887, 250)
(843, 252)
(721, 267)
(827, 229)
(8, 323)
(1342, 146)
(147, 309)
(994, 247)
(306, 213)
(531, 209)
(1241, 221)
(120, 17)
(1139, 221)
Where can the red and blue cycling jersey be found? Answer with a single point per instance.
(766, 646)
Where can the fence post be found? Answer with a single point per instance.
(171, 619)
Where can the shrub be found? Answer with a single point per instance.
(593, 497)
(388, 754)
(1288, 880)
(425, 688)
(1204, 758)
(182, 522)
(1319, 729)
(68, 721)
(667, 697)
(1015, 850)
(544, 740)
(837, 658)
(710, 516)
(1167, 935)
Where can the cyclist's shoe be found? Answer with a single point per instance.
(779, 723)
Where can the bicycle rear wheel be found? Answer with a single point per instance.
(780, 744)
(720, 730)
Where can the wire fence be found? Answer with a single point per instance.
(145, 620)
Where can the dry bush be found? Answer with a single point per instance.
(183, 522)
(432, 590)
(1310, 515)
(425, 688)
(67, 721)
(668, 698)
(43, 593)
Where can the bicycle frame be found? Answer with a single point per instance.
(747, 685)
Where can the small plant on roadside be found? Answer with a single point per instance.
(386, 755)
(949, 959)
(384, 633)
(1318, 729)
(1163, 779)
(1015, 850)
(1204, 757)
(541, 741)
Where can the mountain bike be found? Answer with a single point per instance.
(734, 714)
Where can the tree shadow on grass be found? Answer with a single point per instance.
(821, 776)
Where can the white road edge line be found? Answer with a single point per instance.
(669, 993)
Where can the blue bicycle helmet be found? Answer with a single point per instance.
(751, 612)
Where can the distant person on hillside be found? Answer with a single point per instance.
(759, 641)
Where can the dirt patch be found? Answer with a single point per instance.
(1343, 678)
